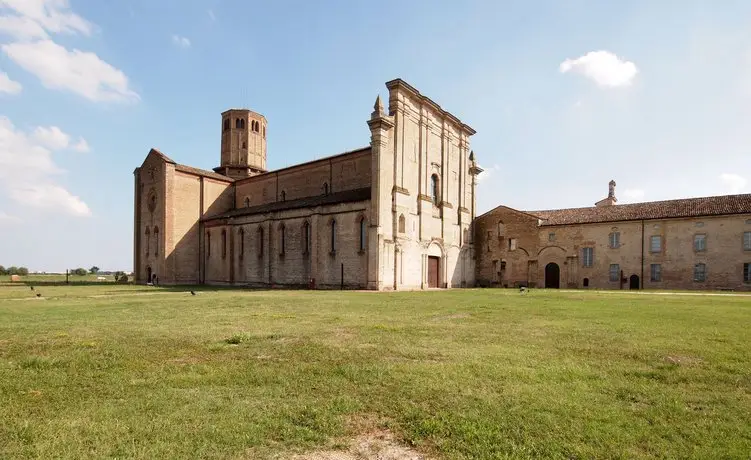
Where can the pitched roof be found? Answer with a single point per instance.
(346, 196)
(202, 172)
(687, 207)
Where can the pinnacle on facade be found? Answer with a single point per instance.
(377, 108)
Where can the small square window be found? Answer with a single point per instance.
(551, 236)
(700, 224)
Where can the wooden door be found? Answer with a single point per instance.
(433, 267)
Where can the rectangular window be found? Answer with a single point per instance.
(655, 243)
(747, 273)
(747, 241)
(363, 234)
(700, 243)
(700, 272)
(588, 257)
(615, 240)
(551, 236)
(655, 271)
(512, 244)
(615, 272)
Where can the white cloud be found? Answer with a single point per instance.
(634, 194)
(53, 137)
(603, 67)
(182, 42)
(27, 170)
(734, 182)
(7, 218)
(52, 15)
(21, 28)
(78, 71)
(488, 173)
(9, 86)
(50, 196)
(81, 146)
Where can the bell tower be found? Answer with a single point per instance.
(243, 144)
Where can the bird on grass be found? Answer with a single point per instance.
(39, 295)
(523, 290)
(192, 292)
(31, 287)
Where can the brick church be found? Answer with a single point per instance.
(394, 214)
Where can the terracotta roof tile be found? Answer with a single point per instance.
(687, 207)
(202, 172)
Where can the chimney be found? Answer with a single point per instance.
(611, 199)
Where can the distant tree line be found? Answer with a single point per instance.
(21, 271)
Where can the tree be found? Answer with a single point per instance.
(23, 271)
(79, 271)
(3, 271)
(94, 270)
(12, 270)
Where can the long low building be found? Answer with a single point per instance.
(693, 243)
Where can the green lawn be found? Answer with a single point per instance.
(134, 372)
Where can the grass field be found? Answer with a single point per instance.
(134, 372)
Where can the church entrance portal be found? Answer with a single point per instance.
(633, 282)
(434, 264)
(552, 276)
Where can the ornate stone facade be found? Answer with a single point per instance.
(393, 215)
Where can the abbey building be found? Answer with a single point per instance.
(395, 214)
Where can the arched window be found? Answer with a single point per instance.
(260, 241)
(434, 195)
(402, 223)
(148, 241)
(247, 202)
(283, 196)
(224, 243)
(333, 236)
(305, 237)
(226, 124)
(241, 235)
(501, 229)
(245, 145)
(156, 241)
(237, 123)
(282, 239)
(208, 244)
(325, 188)
(363, 233)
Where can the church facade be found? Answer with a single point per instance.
(395, 214)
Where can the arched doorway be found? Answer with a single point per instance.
(633, 282)
(148, 274)
(552, 276)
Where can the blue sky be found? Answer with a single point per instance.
(564, 95)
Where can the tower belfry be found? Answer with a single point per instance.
(243, 144)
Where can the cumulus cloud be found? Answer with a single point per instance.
(488, 173)
(81, 146)
(9, 86)
(31, 18)
(28, 171)
(603, 67)
(734, 182)
(182, 42)
(77, 71)
(52, 137)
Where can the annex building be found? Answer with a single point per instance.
(395, 214)
(694, 243)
